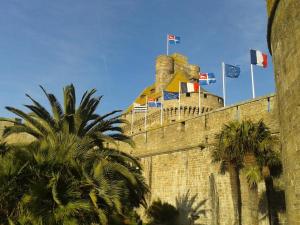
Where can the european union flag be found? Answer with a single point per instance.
(232, 71)
(154, 104)
(170, 95)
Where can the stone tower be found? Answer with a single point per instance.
(284, 45)
(164, 68)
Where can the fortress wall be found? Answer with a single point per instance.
(200, 130)
(176, 157)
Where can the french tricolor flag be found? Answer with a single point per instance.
(258, 58)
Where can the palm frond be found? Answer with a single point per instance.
(55, 105)
(35, 123)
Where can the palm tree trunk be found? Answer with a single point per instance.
(249, 194)
(235, 192)
(273, 219)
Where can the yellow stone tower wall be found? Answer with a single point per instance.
(284, 44)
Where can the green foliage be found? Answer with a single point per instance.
(251, 147)
(186, 212)
(67, 175)
(237, 139)
(162, 213)
(226, 146)
(253, 175)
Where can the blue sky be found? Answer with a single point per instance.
(111, 45)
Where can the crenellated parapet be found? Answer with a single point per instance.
(170, 112)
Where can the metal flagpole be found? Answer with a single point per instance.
(224, 93)
(146, 112)
(167, 44)
(252, 78)
(131, 130)
(161, 108)
(179, 98)
(199, 98)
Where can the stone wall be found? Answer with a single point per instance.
(176, 157)
(284, 44)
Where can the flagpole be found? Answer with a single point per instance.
(224, 92)
(146, 112)
(252, 79)
(161, 107)
(167, 45)
(199, 97)
(179, 98)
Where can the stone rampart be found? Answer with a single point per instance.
(176, 157)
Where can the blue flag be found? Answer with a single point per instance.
(154, 104)
(232, 71)
(170, 95)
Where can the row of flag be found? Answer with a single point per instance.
(232, 71)
(257, 57)
(185, 87)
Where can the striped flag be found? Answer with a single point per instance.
(189, 87)
(258, 58)
(138, 108)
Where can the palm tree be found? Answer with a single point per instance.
(162, 213)
(186, 211)
(239, 144)
(258, 159)
(81, 121)
(68, 169)
(270, 167)
(227, 152)
(49, 186)
(189, 210)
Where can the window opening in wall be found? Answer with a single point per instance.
(205, 95)
(206, 139)
(143, 96)
(182, 128)
(237, 113)
(269, 105)
(188, 94)
(152, 90)
(172, 121)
